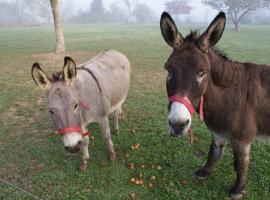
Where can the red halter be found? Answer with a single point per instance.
(77, 129)
(179, 99)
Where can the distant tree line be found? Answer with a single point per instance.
(35, 12)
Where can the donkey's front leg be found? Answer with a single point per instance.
(85, 153)
(106, 134)
(215, 152)
(241, 162)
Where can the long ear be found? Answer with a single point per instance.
(40, 77)
(169, 31)
(69, 70)
(213, 33)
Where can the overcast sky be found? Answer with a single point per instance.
(199, 13)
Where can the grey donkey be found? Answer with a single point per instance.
(83, 94)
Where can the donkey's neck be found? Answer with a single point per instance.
(224, 73)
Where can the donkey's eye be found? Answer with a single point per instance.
(169, 74)
(76, 106)
(201, 74)
(52, 113)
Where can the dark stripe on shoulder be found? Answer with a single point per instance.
(93, 76)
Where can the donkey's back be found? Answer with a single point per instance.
(112, 71)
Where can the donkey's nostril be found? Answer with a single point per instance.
(66, 148)
(79, 143)
(184, 123)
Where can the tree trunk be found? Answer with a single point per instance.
(60, 42)
(237, 26)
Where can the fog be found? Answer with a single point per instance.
(38, 12)
(201, 13)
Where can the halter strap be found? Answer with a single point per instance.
(84, 105)
(189, 106)
(71, 129)
(77, 129)
(184, 101)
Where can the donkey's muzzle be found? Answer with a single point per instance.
(177, 129)
(74, 149)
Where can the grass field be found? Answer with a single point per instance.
(33, 158)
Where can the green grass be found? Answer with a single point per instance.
(33, 158)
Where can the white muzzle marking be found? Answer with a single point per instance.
(71, 139)
(179, 114)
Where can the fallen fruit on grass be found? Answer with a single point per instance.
(137, 182)
(153, 178)
(142, 166)
(159, 167)
(132, 180)
(132, 166)
(92, 137)
(132, 194)
(150, 185)
(135, 146)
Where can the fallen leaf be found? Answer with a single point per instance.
(132, 194)
(184, 182)
(103, 163)
(159, 167)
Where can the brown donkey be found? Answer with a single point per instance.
(236, 95)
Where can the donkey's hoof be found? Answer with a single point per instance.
(202, 174)
(83, 166)
(116, 131)
(237, 194)
(112, 156)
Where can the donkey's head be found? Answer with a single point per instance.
(188, 69)
(63, 102)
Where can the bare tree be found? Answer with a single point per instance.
(237, 9)
(178, 7)
(60, 42)
(129, 4)
(143, 13)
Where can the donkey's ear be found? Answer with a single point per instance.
(69, 70)
(213, 33)
(169, 31)
(40, 77)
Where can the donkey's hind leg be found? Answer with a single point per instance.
(241, 162)
(215, 153)
(106, 134)
(117, 116)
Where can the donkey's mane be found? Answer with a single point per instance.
(58, 76)
(194, 35)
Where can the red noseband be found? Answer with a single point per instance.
(184, 101)
(187, 103)
(71, 129)
(191, 110)
(77, 129)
